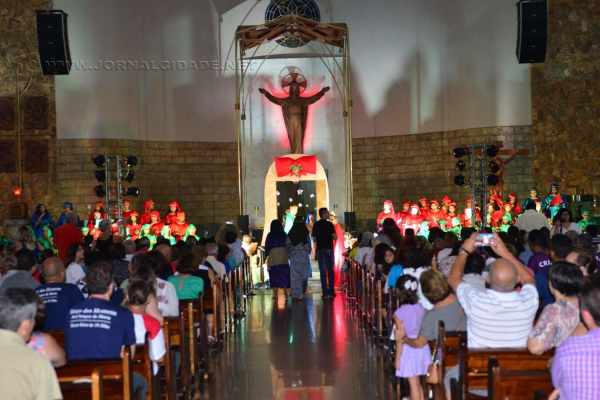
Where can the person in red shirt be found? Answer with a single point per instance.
(98, 208)
(179, 227)
(67, 235)
(400, 216)
(156, 224)
(412, 220)
(127, 210)
(148, 209)
(424, 207)
(171, 217)
(435, 215)
(516, 207)
(133, 227)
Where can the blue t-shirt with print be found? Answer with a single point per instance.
(97, 330)
(58, 298)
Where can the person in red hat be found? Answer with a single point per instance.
(413, 219)
(156, 224)
(401, 215)
(435, 215)
(516, 207)
(452, 219)
(171, 216)
(179, 227)
(446, 200)
(424, 207)
(148, 208)
(387, 212)
(133, 227)
(98, 213)
(127, 210)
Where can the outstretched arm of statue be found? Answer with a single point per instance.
(314, 98)
(271, 98)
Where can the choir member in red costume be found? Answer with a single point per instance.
(148, 209)
(98, 207)
(435, 215)
(494, 215)
(446, 201)
(156, 224)
(94, 224)
(133, 227)
(127, 210)
(400, 216)
(388, 212)
(424, 207)
(452, 219)
(171, 217)
(516, 208)
(470, 216)
(412, 220)
(179, 227)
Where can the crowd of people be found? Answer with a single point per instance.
(501, 213)
(536, 288)
(104, 292)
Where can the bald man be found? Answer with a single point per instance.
(58, 297)
(500, 316)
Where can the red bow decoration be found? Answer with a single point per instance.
(304, 165)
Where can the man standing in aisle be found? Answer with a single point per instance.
(325, 237)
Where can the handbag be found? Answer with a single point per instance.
(434, 371)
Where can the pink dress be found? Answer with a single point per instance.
(413, 361)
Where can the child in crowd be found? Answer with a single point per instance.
(138, 293)
(411, 362)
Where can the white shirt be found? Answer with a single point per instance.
(531, 220)
(168, 303)
(156, 344)
(75, 275)
(556, 229)
(496, 319)
(364, 256)
(217, 265)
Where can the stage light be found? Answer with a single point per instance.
(492, 180)
(99, 190)
(100, 175)
(133, 191)
(460, 152)
(17, 191)
(459, 180)
(492, 150)
(129, 176)
(99, 160)
(132, 161)
(461, 165)
(494, 167)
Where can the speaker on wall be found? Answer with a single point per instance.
(53, 42)
(532, 35)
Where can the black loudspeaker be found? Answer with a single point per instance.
(350, 221)
(244, 224)
(533, 31)
(53, 42)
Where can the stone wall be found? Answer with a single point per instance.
(20, 67)
(201, 176)
(566, 99)
(410, 166)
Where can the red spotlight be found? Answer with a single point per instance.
(17, 191)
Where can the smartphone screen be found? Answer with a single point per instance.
(484, 239)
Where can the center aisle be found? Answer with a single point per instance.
(302, 350)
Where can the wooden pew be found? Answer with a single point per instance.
(445, 349)
(473, 367)
(517, 383)
(142, 364)
(175, 338)
(110, 379)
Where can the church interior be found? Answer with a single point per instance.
(316, 183)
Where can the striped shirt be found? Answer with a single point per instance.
(576, 367)
(497, 319)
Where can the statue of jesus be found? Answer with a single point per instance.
(295, 110)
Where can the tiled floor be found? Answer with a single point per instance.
(309, 350)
